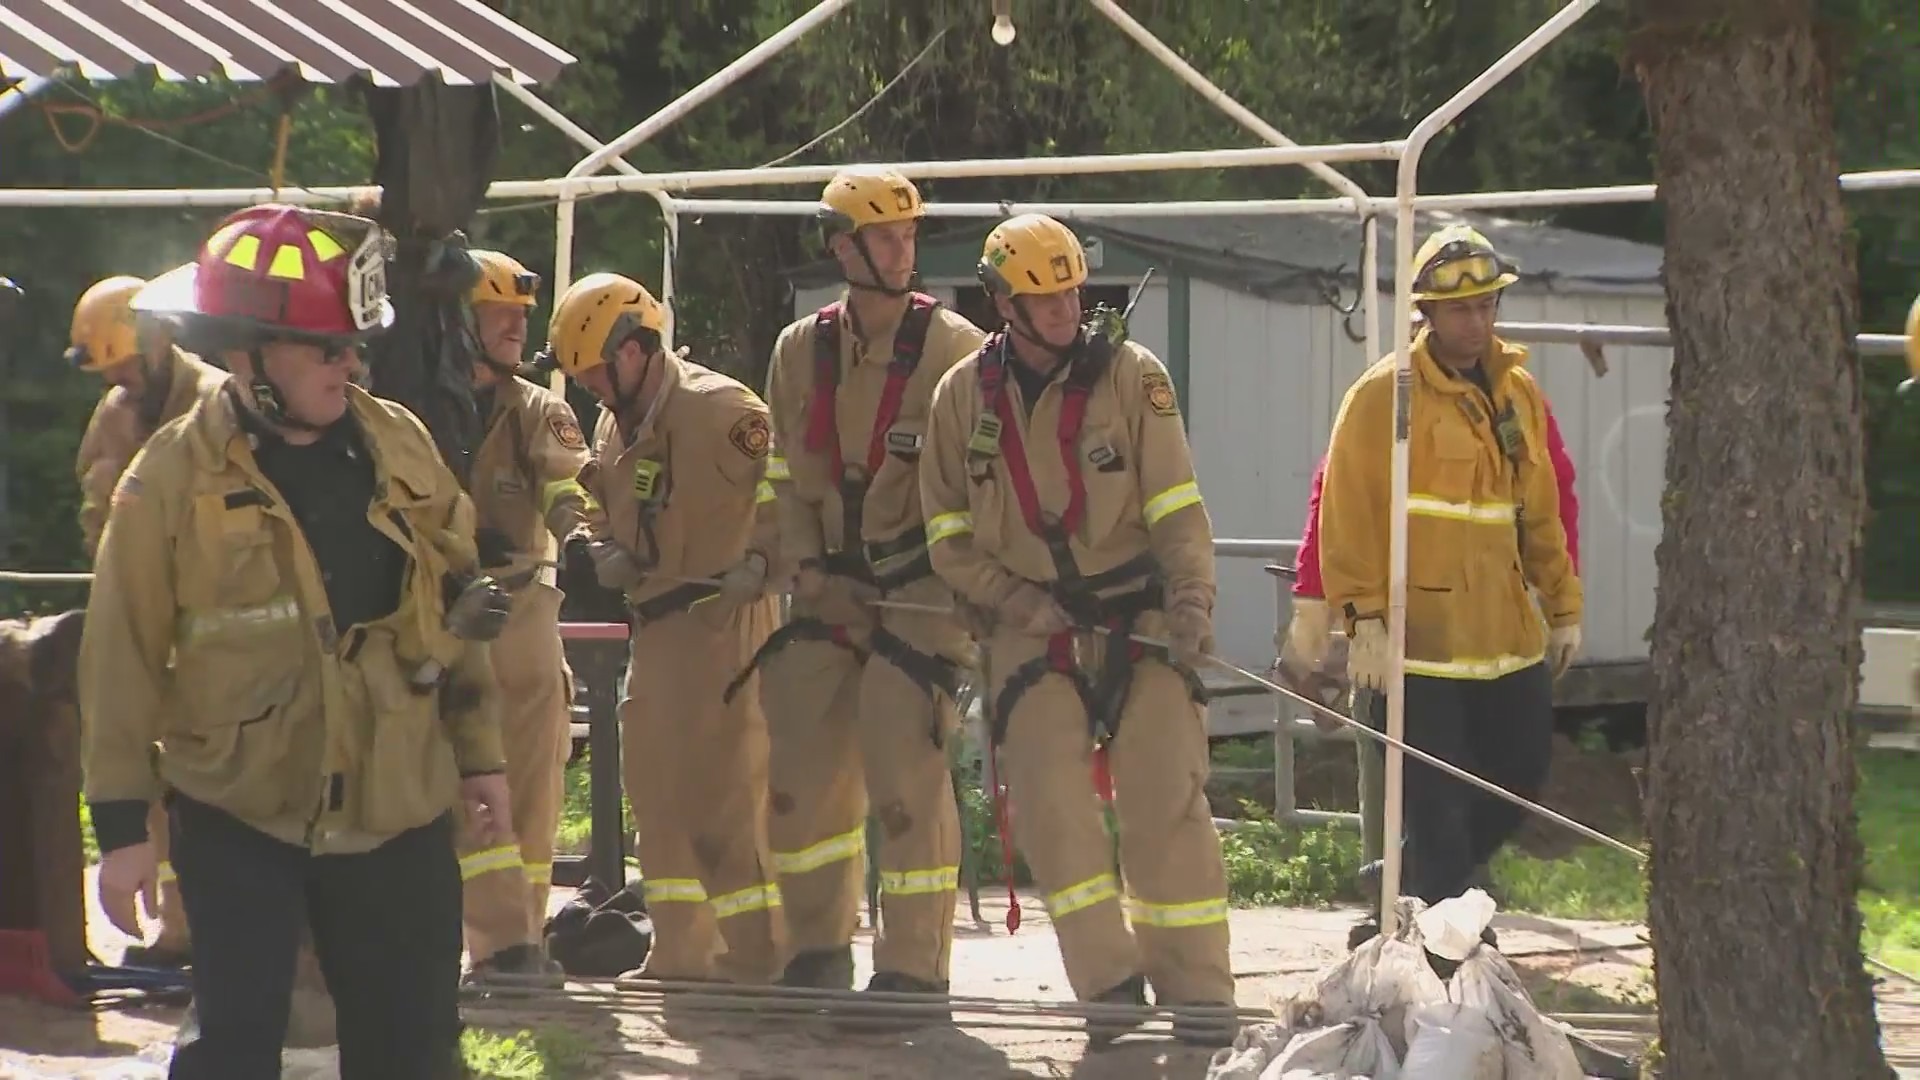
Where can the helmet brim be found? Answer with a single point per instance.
(172, 295)
(1469, 292)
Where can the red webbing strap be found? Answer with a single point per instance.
(908, 342)
(821, 426)
(1073, 415)
(1004, 826)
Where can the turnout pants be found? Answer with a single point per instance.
(1170, 870)
(695, 770)
(505, 884)
(1499, 729)
(385, 926)
(852, 733)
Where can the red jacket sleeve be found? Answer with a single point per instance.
(1306, 565)
(1563, 473)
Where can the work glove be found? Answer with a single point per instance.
(1367, 655)
(1302, 648)
(745, 581)
(1033, 610)
(844, 601)
(1189, 633)
(614, 566)
(494, 547)
(478, 612)
(1563, 644)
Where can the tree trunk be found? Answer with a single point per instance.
(1755, 652)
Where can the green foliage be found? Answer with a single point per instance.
(555, 1053)
(1270, 864)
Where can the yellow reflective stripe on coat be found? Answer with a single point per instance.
(831, 850)
(945, 526)
(675, 890)
(777, 469)
(560, 489)
(1487, 513)
(1177, 497)
(919, 882)
(763, 492)
(199, 624)
(1079, 897)
(1177, 916)
(166, 874)
(538, 873)
(752, 898)
(1472, 667)
(504, 857)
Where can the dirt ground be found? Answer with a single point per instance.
(1578, 967)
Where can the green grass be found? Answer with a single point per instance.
(547, 1054)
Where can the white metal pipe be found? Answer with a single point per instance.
(1655, 336)
(1195, 208)
(560, 121)
(707, 88)
(1242, 115)
(1405, 184)
(109, 198)
(669, 244)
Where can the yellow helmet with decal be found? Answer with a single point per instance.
(503, 280)
(596, 316)
(1459, 262)
(868, 195)
(104, 332)
(1032, 255)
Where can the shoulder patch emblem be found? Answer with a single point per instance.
(126, 490)
(568, 432)
(751, 436)
(1159, 391)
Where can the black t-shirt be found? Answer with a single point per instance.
(328, 485)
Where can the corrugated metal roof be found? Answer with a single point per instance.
(391, 42)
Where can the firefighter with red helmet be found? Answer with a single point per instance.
(525, 496)
(286, 600)
(860, 699)
(149, 382)
(1061, 504)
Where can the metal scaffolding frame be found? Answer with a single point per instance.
(582, 179)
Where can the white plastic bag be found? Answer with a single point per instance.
(1342, 1052)
(1386, 978)
(1252, 1049)
(1452, 1042)
(1533, 1047)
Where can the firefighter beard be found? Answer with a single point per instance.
(1158, 763)
(505, 884)
(695, 769)
(853, 731)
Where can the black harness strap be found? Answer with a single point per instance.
(802, 629)
(674, 601)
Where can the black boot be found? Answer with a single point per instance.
(1102, 1031)
(820, 969)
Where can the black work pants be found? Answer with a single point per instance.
(386, 930)
(1498, 729)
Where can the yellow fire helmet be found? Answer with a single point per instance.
(1458, 262)
(1032, 255)
(868, 195)
(503, 280)
(597, 314)
(105, 333)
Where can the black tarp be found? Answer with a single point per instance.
(437, 145)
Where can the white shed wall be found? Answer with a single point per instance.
(1267, 378)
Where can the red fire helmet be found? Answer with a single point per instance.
(283, 272)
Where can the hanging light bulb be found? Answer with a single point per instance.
(1003, 32)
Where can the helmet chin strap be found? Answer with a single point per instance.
(860, 245)
(268, 399)
(1023, 325)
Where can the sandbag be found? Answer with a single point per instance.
(1533, 1047)
(1453, 1042)
(1343, 1052)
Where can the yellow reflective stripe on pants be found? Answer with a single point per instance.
(1177, 497)
(1479, 513)
(197, 624)
(945, 526)
(504, 857)
(834, 849)
(1473, 667)
(777, 469)
(1176, 916)
(763, 493)
(675, 890)
(166, 874)
(1074, 898)
(539, 873)
(753, 898)
(918, 882)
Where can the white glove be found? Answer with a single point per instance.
(1563, 644)
(1303, 647)
(1367, 655)
(745, 581)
